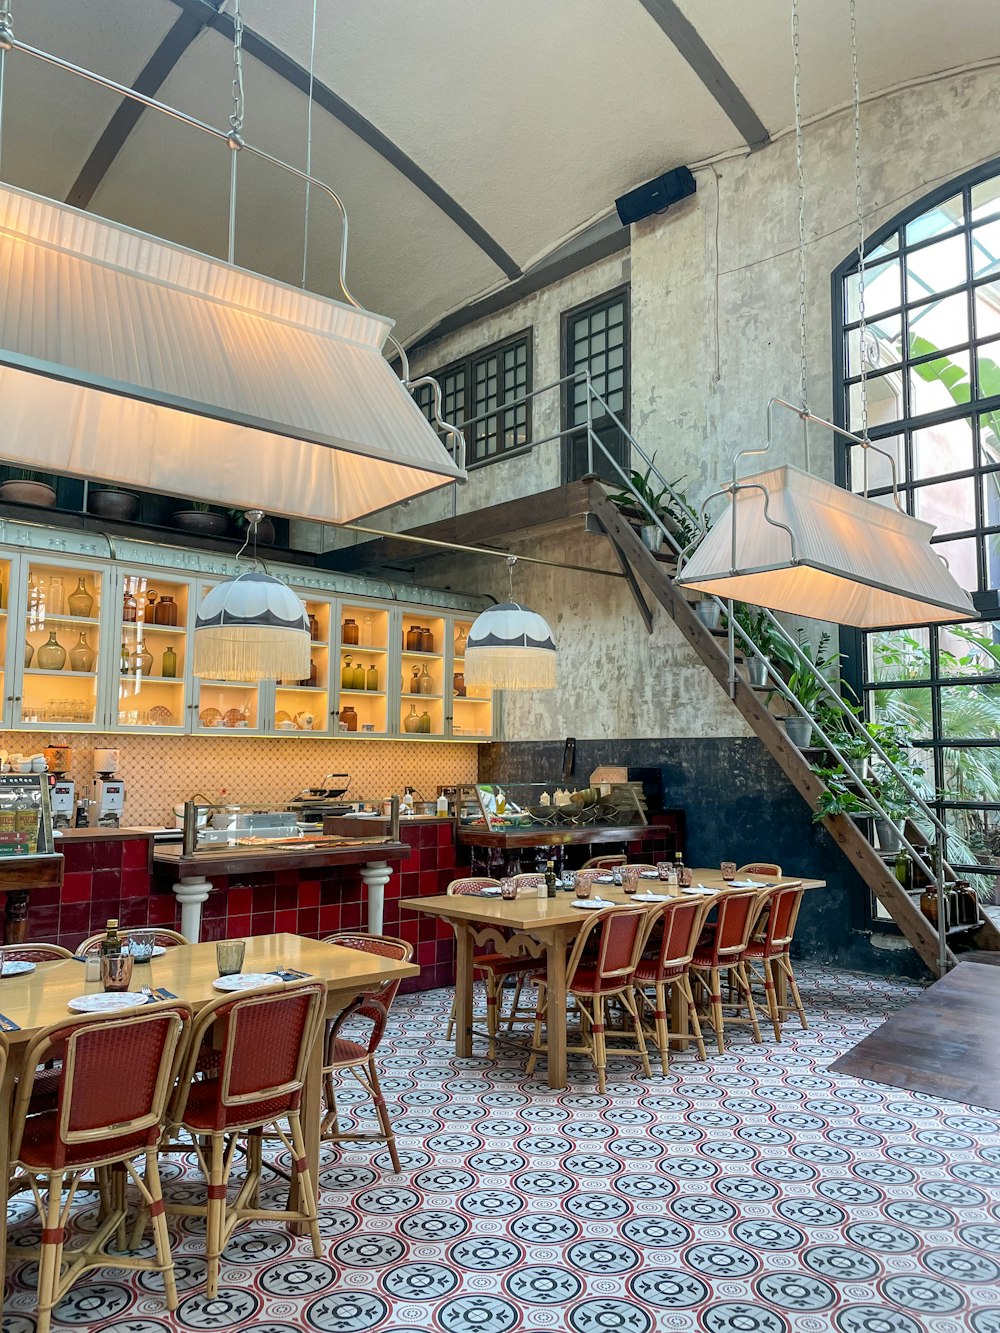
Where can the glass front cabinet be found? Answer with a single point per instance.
(92, 647)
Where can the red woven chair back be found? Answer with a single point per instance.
(604, 862)
(33, 953)
(115, 1078)
(165, 939)
(473, 886)
(784, 905)
(621, 932)
(530, 879)
(681, 920)
(374, 1004)
(264, 1053)
(738, 910)
(769, 868)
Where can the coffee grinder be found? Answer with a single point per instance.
(62, 788)
(109, 790)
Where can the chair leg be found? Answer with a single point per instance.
(600, 1048)
(536, 1038)
(715, 998)
(215, 1221)
(687, 997)
(744, 984)
(307, 1191)
(50, 1260)
(381, 1111)
(492, 1002)
(516, 1002)
(662, 1027)
(785, 963)
(161, 1237)
(119, 1201)
(628, 998)
(451, 1018)
(771, 996)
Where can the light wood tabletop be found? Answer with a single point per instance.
(544, 927)
(40, 998)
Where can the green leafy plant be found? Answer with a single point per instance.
(670, 505)
(755, 622)
(805, 681)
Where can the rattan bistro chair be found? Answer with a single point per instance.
(265, 1039)
(769, 868)
(773, 952)
(33, 953)
(591, 981)
(115, 1078)
(725, 952)
(358, 1058)
(604, 862)
(676, 929)
(162, 938)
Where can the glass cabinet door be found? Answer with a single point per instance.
(8, 634)
(304, 705)
(152, 638)
(423, 674)
(471, 705)
(61, 644)
(228, 706)
(363, 670)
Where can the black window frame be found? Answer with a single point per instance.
(459, 404)
(854, 642)
(621, 292)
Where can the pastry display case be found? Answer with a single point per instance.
(526, 807)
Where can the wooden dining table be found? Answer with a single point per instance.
(543, 928)
(39, 998)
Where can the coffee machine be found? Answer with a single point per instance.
(109, 790)
(62, 788)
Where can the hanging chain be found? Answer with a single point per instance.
(800, 178)
(236, 116)
(863, 327)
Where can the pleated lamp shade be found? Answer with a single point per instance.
(126, 358)
(251, 628)
(510, 648)
(857, 562)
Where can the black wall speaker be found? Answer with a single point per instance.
(656, 195)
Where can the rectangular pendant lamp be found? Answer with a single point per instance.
(126, 358)
(856, 562)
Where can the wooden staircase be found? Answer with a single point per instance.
(655, 573)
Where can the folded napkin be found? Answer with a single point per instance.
(289, 974)
(161, 993)
(8, 1024)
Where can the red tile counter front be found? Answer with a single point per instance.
(113, 878)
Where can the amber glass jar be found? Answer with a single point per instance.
(414, 639)
(165, 611)
(349, 718)
(349, 632)
(426, 640)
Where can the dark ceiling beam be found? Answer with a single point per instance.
(286, 68)
(689, 43)
(151, 78)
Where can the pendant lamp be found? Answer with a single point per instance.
(251, 627)
(793, 542)
(510, 647)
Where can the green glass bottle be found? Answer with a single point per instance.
(168, 666)
(550, 879)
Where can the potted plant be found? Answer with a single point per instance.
(26, 487)
(893, 789)
(669, 505)
(201, 518)
(806, 685)
(709, 612)
(113, 502)
(771, 647)
(265, 528)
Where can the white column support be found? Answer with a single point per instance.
(376, 875)
(191, 891)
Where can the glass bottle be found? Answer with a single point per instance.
(148, 612)
(347, 674)
(904, 868)
(313, 628)
(929, 903)
(126, 664)
(426, 640)
(359, 676)
(349, 632)
(313, 673)
(371, 677)
(550, 879)
(415, 681)
(81, 603)
(413, 639)
(366, 632)
(57, 596)
(168, 664)
(51, 655)
(29, 653)
(458, 684)
(461, 640)
(425, 723)
(82, 657)
(142, 660)
(130, 607)
(111, 945)
(349, 718)
(411, 723)
(165, 612)
(426, 681)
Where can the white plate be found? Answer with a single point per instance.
(103, 1002)
(246, 981)
(649, 874)
(699, 889)
(17, 967)
(489, 893)
(604, 879)
(650, 897)
(744, 884)
(588, 902)
(158, 951)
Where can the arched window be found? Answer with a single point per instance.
(932, 349)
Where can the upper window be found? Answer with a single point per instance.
(932, 351)
(596, 341)
(480, 395)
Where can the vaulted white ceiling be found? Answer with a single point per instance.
(469, 139)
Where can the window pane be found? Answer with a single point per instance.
(943, 217)
(883, 345)
(908, 707)
(970, 712)
(961, 556)
(986, 309)
(941, 449)
(986, 249)
(986, 198)
(900, 654)
(885, 401)
(882, 290)
(989, 437)
(935, 268)
(969, 650)
(991, 500)
(879, 467)
(939, 383)
(949, 505)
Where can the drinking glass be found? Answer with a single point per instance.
(583, 886)
(141, 945)
(630, 878)
(569, 880)
(508, 889)
(229, 956)
(663, 869)
(116, 971)
(728, 869)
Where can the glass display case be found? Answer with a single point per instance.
(518, 807)
(152, 660)
(62, 645)
(363, 665)
(304, 705)
(422, 674)
(472, 705)
(25, 815)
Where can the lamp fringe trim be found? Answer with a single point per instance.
(251, 653)
(511, 668)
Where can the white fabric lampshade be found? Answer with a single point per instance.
(126, 358)
(251, 627)
(858, 562)
(510, 648)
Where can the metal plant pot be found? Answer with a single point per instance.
(709, 613)
(652, 537)
(196, 520)
(757, 670)
(799, 730)
(28, 493)
(120, 505)
(889, 834)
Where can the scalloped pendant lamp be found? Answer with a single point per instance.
(510, 647)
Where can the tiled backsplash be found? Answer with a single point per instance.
(159, 771)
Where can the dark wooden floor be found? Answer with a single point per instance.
(944, 1044)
